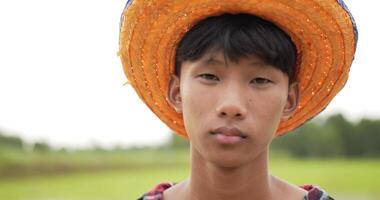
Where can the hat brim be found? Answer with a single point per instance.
(322, 31)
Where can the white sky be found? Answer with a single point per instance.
(61, 81)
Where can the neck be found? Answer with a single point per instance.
(209, 181)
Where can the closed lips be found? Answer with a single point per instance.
(229, 132)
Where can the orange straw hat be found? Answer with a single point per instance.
(323, 31)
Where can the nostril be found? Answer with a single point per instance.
(231, 111)
(225, 114)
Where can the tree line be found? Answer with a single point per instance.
(16, 143)
(333, 137)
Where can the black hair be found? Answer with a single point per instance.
(238, 36)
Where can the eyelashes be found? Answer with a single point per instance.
(210, 77)
(256, 81)
(260, 80)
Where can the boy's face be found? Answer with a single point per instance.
(248, 95)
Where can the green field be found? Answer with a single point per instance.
(343, 179)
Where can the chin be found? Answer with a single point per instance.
(227, 161)
(232, 159)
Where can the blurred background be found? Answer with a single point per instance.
(70, 129)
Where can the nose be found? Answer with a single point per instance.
(232, 106)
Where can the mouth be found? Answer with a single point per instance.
(228, 135)
(229, 131)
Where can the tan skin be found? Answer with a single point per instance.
(249, 95)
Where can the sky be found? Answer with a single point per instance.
(61, 80)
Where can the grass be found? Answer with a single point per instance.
(15, 163)
(113, 185)
(342, 179)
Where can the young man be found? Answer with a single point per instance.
(231, 76)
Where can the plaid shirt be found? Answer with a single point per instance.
(314, 192)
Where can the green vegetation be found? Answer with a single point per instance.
(343, 179)
(340, 156)
(333, 137)
(10, 142)
(16, 163)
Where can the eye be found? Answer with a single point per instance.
(210, 77)
(260, 81)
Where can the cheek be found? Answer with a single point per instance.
(197, 107)
(268, 110)
(273, 106)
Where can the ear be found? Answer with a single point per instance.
(291, 102)
(174, 94)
